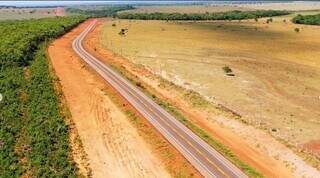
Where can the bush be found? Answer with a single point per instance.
(227, 69)
(123, 31)
(269, 20)
(307, 19)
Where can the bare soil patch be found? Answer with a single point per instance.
(113, 146)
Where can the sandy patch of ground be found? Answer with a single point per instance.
(249, 154)
(59, 11)
(113, 146)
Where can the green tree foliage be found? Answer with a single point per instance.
(105, 11)
(307, 19)
(232, 15)
(227, 69)
(31, 127)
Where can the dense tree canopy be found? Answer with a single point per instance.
(105, 11)
(33, 135)
(307, 19)
(232, 15)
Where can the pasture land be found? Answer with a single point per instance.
(276, 69)
(224, 7)
(29, 13)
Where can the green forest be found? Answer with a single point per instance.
(33, 135)
(307, 19)
(232, 15)
(104, 11)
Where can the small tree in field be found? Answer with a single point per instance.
(123, 32)
(269, 20)
(297, 30)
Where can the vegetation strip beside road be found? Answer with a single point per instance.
(231, 15)
(307, 19)
(33, 134)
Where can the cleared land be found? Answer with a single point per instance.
(283, 99)
(168, 95)
(275, 67)
(294, 6)
(117, 142)
(29, 13)
(223, 7)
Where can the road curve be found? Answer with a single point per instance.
(203, 157)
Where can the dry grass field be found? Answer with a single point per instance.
(291, 5)
(29, 13)
(222, 7)
(276, 84)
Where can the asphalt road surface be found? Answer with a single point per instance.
(203, 157)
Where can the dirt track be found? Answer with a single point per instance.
(113, 146)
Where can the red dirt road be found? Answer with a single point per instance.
(113, 146)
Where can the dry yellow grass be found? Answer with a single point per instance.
(28, 13)
(277, 82)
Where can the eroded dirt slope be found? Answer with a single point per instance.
(113, 146)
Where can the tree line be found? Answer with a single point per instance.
(33, 135)
(231, 15)
(307, 19)
(104, 11)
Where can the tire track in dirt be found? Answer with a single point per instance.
(113, 132)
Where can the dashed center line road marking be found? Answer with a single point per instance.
(209, 162)
(176, 131)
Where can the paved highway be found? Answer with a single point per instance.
(203, 157)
